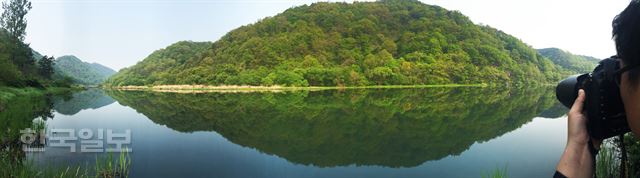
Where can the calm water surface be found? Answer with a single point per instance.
(429, 132)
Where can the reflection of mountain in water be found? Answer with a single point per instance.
(387, 127)
(20, 113)
(555, 111)
(88, 99)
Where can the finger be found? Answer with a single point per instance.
(577, 105)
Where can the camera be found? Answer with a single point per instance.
(603, 105)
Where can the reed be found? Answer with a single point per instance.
(105, 167)
(496, 173)
(607, 162)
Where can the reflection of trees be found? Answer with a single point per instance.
(387, 127)
(78, 101)
(19, 115)
(555, 111)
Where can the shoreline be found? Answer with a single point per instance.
(275, 88)
(8, 93)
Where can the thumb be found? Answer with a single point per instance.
(578, 104)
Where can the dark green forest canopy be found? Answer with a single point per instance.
(163, 64)
(388, 42)
(386, 127)
(16, 63)
(578, 63)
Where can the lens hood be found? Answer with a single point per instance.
(567, 91)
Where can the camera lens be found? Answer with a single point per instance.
(567, 91)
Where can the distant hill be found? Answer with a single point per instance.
(387, 42)
(103, 70)
(82, 72)
(575, 63)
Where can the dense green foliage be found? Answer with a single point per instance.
(575, 63)
(632, 144)
(16, 63)
(82, 72)
(45, 66)
(386, 127)
(163, 64)
(389, 42)
(17, 68)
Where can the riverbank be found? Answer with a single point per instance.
(8, 93)
(275, 88)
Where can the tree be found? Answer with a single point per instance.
(13, 17)
(45, 67)
(9, 73)
(380, 75)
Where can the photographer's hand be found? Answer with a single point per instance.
(576, 161)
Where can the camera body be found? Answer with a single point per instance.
(603, 105)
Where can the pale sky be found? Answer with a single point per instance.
(119, 33)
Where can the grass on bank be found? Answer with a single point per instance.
(607, 162)
(105, 167)
(8, 93)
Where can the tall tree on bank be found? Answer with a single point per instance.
(45, 67)
(13, 17)
(14, 22)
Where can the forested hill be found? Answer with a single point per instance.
(388, 42)
(161, 65)
(577, 63)
(82, 72)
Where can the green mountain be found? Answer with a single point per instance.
(19, 67)
(103, 70)
(82, 72)
(155, 66)
(388, 42)
(575, 63)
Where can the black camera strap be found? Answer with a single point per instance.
(623, 158)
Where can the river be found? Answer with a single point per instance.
(417, 132)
